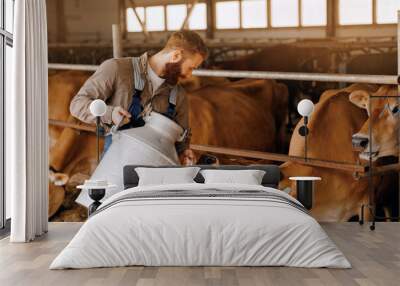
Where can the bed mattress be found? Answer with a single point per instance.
(201, 225)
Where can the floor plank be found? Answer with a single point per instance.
(375, 257)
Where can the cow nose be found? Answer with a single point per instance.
(359, 141)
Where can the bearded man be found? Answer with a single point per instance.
(133, 87)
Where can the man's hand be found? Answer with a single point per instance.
(187, 157)
(119, 114)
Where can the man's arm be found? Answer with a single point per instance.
(99, 86)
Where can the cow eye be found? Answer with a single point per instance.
(395, 109)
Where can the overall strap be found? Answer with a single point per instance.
(171, 111)
(136, 108)
(137, 75)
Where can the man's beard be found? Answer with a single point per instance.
(173, 72)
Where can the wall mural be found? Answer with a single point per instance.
(253, 115)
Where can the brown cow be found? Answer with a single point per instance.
(338, 196)
(384, 120)
(384, 117)
(195, 82)
(288, 58)
(71, 152)
(62, 88)
(247, 114)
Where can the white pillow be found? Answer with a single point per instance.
(248, 177)
(162, 176)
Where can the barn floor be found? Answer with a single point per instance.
(375, 257)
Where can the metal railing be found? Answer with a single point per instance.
(324, 77)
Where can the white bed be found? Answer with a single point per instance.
(201, 224)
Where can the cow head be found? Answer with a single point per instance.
(384, 116)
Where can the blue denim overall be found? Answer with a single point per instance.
(136, 120)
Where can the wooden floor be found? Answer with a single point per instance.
(375, 257)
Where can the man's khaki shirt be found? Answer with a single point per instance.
(114, 82)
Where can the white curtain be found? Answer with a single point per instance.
(26, 123)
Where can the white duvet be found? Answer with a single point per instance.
(188, 231)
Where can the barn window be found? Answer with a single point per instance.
(132, 22)
(284, 13)
(228, 15)
(386, 11)
(254, 14)
(155, 20)
(355, 12)
(313, 12)
(198, 17)
(176, 14)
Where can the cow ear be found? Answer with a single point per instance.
(360, 98)
(58, 179)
